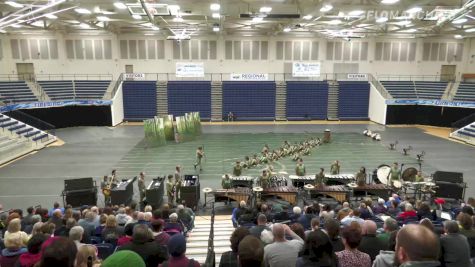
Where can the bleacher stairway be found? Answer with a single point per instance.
(280, 101)
(162, 98)
(465, 134)
(197, 242)
(333, 91)
(216, 101)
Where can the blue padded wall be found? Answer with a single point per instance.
(307, 100)
(189, 96)
(140, 100)
(353, 100)
(249, 100)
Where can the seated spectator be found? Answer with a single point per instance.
(184, 217)
(64, 229)
(298, 229)
(88, 225)
(56, 206)
(425, 212)
(306, 218)
(365, 212)
(250, 252)
(13, 249)
(332, 227)
(143, 243)
(111, 231)
(157, 229)
(261, 226)
(127, 238)
(455, 250)
(393, 208)
(123, 258)
(327, 213)
(370, 244)
(315, 226)
(173, 225)
(14, 230)
(344, 211)
(29, 227)
(409, 213)
(296, 213)
(58, 251)
(385, 258)
(87, 257)
(229, 258)
(57, 219)
(48, 228)
(102, 224)
(28, 219)
(166, 210)
(351, 256)
(33, 255)
(380, 207)
(177, 249)
(122, 217)
(354, 216)
(265, 210)
(390, 225)
(247, 218)
(318, 251)
(283, 252)
(417, 246)
(36, 229)
(466, 225)
(282, 214)
(76, 235)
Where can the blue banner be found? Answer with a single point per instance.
(33, 105)
(443, 103)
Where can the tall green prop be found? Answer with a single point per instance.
(154, 132)
(169, 131)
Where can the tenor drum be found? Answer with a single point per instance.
(383, 173)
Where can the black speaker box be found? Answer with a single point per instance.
(449, 190)
(450, 177)
(78, 199)
(78, 184)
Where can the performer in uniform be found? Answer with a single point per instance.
(106, 187)
(237, 169)
(199, 155)
(335, 168)
(114, 179)
(265, 149)
(395, 173)
(226, 182)
(419, 178)
(254, 160)
(247, 162)
(300, 168)
(320, 179)
(361, 177)
(170, 190)
(178, 181)
(141, 185)
(264, 179)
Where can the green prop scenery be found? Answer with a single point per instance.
(169, 130)
(188, 127)
(154, 132)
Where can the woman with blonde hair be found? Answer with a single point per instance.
(36, 229)
(111, 232)
(14, 229)
(87, 257)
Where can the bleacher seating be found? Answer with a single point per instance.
(189, 96)
(465, 92)
(353, 100)
(465, 134)
(21, 129)
(430, 90)
(87, 89)
(16, 92)
(140, 100)
(249, 100)
(58, 90)
(307, 100)
(400, 89)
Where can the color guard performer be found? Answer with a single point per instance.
(300, 168)
(141, 186)
(335, 168)
(170, 190)
(320, 179)
(199, 156)
(237, 169)
(226, 182)
(361, 177)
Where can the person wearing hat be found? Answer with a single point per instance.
(176, 249)
(124, 258)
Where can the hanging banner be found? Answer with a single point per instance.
(306, 69)
(190, 69)
(443, 103)
(249, 77)
(65, 103)
(134, 76)
(357, 76)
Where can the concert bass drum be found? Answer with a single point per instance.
(382, 174)
(409, 174)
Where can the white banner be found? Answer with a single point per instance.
(306, 69)
(190, 69)
(134, 76)
(358, 76)
(249, 77)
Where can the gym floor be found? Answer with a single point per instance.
(95, 151)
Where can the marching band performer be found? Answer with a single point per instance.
(264, 179)
(237, 169)
(335, 168)
(320, 179)
(395, 173)
(178, 181)
(361, 177)
(199, 156)
(170, 190)
(226, 182)
(300, 168)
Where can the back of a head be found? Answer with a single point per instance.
(250, 252)
(261, 219)
(124, 258)
(157, 225)
(278, 231)
(391, 224)
(428, 224)
(13, 241)
(85, 253)
(352, 236)
(318, 245)
(141, 234)
(465, 221)
(315, 222)
(14, 225)
(60, 252)
(451, 227)
(297, 210)
(242, 204)
(237, 236)
(177, 245)
(418, 243)
(76, 233)
(332, 227)
(370, 227)
(173, 217)
(35, 242)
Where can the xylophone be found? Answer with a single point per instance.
(380, 190)
(338, 179)
(287, 193)
(340, 193)
(237, 194)
(242, 181)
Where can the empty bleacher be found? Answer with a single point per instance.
(87, 89)
(189, 96)
(400, 89)
(16, 92)
(465, 134)
(430, 90)
(353, 100)
(307, 100)
(58, 90)
(249, 100)
(465, 92)
(140, 100)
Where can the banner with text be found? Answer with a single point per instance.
(357, 76)
(443, 103)
(249, 77)
(34, 105)
(134, 76)
(306, 69)
(190, 69)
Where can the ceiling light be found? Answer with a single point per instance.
(51, 16)
(215, 15)
(120, 5)
(14, 4)
(103, 18)
(334, 22)
(326, 8)
(82, 11)
(459, 21)
(155, 28)
(215, 7)
(265, 9)
(470, 30)
(216, 28)
(389, 2)
(84, 26)
(136, 16)
(257, 19)
(16, 26)
(287, 29)
(414, 10)
(178, 19)
(356, 13)
(381, 19)
(307, 17)
(458, 36)
(403, 23)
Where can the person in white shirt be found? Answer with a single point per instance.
(283, 252)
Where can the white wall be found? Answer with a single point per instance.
(117, 107)
(377, 106)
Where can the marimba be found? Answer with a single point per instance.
(287, 193)
(300, 181)
(242, 181)
(339, 192)
(237, 194)
(339, 179)
(380, 190)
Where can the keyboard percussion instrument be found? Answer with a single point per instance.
(223, 195)
(287, 193)
(340, 193)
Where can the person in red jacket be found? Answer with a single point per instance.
(409, 212)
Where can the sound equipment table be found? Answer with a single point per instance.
(154, 192)
(123, 193)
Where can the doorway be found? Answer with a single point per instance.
(25, 71)
(447, 73)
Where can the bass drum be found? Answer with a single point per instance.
(409, 174)
(383, 173)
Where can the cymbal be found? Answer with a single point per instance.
(309, 186)
(207, 190)
(352, 185)
(257, 189)
(284, 173)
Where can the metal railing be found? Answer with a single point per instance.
(379, 87)
(211, 255)
(116, 86)
(463, 122)
(33, 121)
(423, 78)
(60, 77)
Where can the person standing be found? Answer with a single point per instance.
(361, 177)
(237, 169)
(335, 168)
(199, 156)
(170, 189)
(265, 179)
(178, 181)
(226, 182)
(320, 178)
(395, 172)
(419, 178)
(300, 168)
(141, 185)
